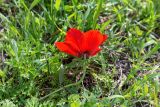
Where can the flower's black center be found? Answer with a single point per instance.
(85, 54)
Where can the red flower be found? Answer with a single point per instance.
(79, 43)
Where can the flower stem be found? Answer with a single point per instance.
(69, 85)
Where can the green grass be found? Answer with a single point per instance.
(125, 73)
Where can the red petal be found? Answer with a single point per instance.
(74, 35)
(69, 48)
(94, 52)
(105, 37)
(93, 39)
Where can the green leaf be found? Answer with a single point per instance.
(57, 4)
(61, 74)
(15, 30)
(15, 48)
(2, 17)
(24, 5)
(34, 3)
(104, 25)
(151, 52)
(2, 74)
(87, 13)
(74, 100)
(138, 31)
(72, 15)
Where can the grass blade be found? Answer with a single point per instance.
(97, 13)
(34, 3)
